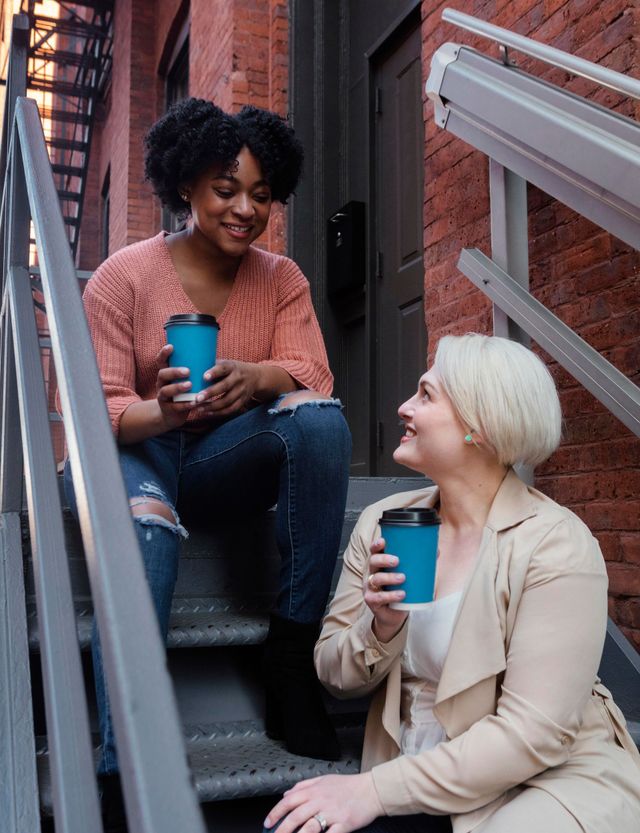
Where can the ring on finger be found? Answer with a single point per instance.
(370, 581)
(321, 821)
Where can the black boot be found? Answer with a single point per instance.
(295, 711)
(114, 818)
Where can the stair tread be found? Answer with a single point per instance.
(195, 623)
(245, 763)
(238, 760)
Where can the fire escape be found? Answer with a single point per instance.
(70, 53)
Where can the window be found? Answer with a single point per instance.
(104, 216)
(178, 76)
(177, 90)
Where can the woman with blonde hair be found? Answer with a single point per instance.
(487, 713)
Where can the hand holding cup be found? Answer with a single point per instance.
(170, 383)
(231, 388)
(377, 595)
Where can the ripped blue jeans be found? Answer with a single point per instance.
(297, 457)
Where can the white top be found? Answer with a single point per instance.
(426, 649)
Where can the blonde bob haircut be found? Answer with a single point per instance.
(504, 392)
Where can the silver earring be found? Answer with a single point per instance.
(184, 196)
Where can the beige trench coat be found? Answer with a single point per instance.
(519, 698)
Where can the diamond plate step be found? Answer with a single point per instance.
(238, 760)
(195, 623)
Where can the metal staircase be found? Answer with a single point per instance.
(218, 623)
(69, 64)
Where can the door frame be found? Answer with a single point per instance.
(406, 21)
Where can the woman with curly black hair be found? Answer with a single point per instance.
(265, 430)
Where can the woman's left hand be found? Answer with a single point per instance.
(232, 386)
(345, 802)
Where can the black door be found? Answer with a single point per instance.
(357, 108)
(398, 152)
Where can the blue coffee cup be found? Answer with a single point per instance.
(412, 535)
(194, 337)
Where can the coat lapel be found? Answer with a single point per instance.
(477, 648)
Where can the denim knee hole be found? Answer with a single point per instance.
(151, 520)
(304, 403)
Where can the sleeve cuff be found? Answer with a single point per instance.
(116, 406)
(307, 376)
(390, 786)
(374, 650)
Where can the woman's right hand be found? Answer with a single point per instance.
(386, 621)
(171, 382)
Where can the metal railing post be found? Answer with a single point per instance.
(509, 239)
(510, 250)
(19, 805)
(10, 448)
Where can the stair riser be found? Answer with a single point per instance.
(212, 564)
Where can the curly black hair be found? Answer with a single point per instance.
(194, 134)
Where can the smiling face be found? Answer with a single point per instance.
(230, 208)
(434, 434)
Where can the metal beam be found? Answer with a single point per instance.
(66, 116)
(69, 195)
(67, 170)
(98, 5)
(15, 240)
(76, 59)
(19, 781)
(67, 144)
(509, 239)
(56, 87)
(582, 154)
(11, 449)
(510, 251)
(586, 365)
(75, 27)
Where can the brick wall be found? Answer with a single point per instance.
(587, 277)
(249, 66)
(142, 212)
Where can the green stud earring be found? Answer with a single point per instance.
(468, 438)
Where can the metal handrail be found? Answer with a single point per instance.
(158, 793)
(604, 381)
(548, 54)
(504, 278)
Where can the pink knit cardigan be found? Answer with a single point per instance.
(268, 319)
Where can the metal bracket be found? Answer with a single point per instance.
(504, 55)
(441, 59)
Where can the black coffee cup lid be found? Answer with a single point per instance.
(409, 515)
(192, 318)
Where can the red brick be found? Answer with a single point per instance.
(623, 580)
(610, 545)
(607, 515)
(630, 548)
